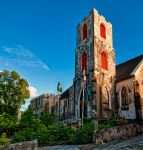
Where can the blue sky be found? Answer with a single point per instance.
(38, 37)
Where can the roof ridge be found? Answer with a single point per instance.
(130, 60)
(124, 70)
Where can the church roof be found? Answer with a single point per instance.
(66, 93)
(125, 69)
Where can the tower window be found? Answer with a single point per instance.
(84, 32)
(84, 60)
(102, 31)
(104, 60)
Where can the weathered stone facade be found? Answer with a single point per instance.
(44, 103)
(128, 113)
(110, 89)
(116, 133)
(138, 72)
(99, 81)
(134, 86)
(66, 104)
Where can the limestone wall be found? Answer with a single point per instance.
(130, 113)
(30, 145)
(97, 78)
(139, 79)
(98, 19)
(115, 133)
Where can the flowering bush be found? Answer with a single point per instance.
(121, 121)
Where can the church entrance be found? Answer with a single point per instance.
(138, 107)
(85, 108)
(105, 103)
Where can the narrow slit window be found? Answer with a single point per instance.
(102, 31)
(84, 32)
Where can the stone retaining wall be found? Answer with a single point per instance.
(30, 145)
(118, 132)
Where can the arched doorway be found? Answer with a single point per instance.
(85, 109)
(105, 103)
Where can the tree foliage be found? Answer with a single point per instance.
(8, 124)
(13, 92)
(28, 120)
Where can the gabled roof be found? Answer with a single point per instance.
(66, 93)
(125, 69)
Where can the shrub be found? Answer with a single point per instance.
(47, 119)
(4, 140)
(24, 135)
(19, 137)
(61, 133)
(84, 134)
(107, 123)
(43, 135)
(113, 121)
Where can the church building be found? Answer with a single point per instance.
(101, 88)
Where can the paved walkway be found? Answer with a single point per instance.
(135, 143)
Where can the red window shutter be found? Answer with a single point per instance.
(104, 60)
(84, 61)
(84, 32)
(102, 31)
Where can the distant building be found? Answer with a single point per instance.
(51, 104)
(44, 103)
(66, 104)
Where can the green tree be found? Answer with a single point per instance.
(28, 120)
(13, 92)
(8, 124)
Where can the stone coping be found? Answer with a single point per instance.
(116, 133)
(29, 145)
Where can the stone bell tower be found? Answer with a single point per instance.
(95, 53)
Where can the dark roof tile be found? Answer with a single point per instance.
(124, 70)
(65, 94)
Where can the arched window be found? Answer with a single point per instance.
(104, 60)
(124, 97)
(84, 32)
(84, 61)
(102, 31)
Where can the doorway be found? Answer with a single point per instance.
(85, 105)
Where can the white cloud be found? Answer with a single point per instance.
(33, 92)
(24, 57)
